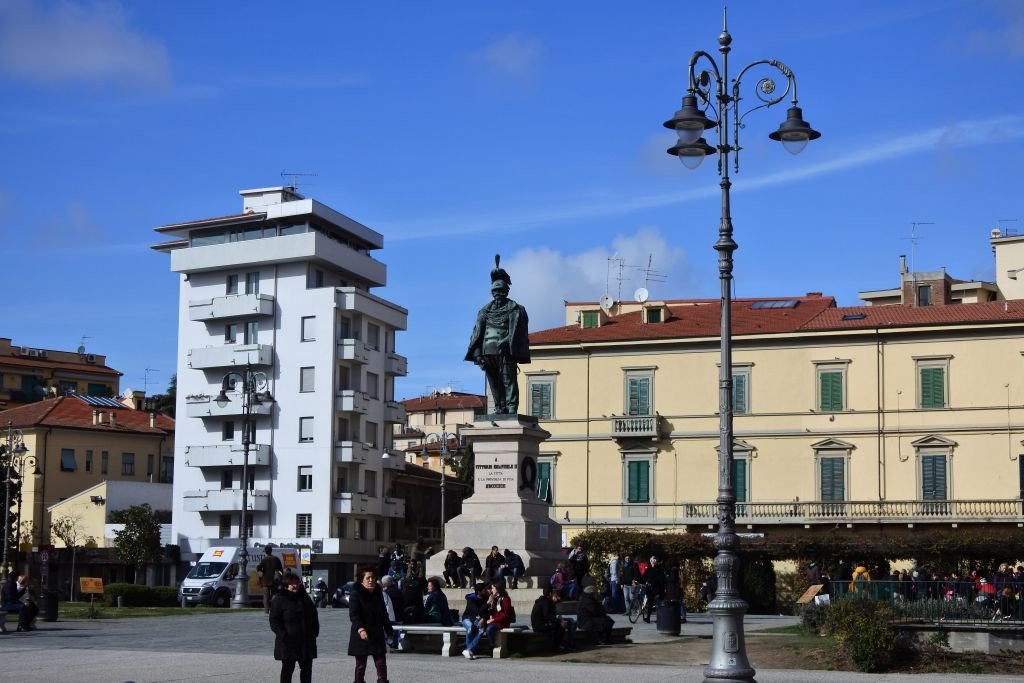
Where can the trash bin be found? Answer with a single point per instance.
(48, 606)
(668, 617)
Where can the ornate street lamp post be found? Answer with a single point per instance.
(447, 454)
(14, 451)
(252, 386)
(709, 88)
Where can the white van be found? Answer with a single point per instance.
(212, 580)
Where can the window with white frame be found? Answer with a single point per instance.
(303, 525)
(934, 473)
(252, 282)
(741, 388)
(308, 328)
(638, 385)
(832, 475)
(305, 478)
(830, 381)
(305, 429)
(638, 477)
(306, 379)
(128, 464)
(546, 478)
(540, 390)
(67, 460)
(933, 381)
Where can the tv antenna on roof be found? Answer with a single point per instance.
(145, 379)
(81, 345)
(650, 274)
(294, 184)
(913, 244)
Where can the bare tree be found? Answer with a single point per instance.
(70, 530)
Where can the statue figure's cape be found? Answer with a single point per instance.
(518, 324)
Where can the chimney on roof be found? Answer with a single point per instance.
(152, 418)
(113, 419)
(813, 295)
(903, 264)
(260, 198)
(96, 417)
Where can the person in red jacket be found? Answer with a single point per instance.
(499, 616)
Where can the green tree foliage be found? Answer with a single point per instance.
(862, 631)
(139, 542)
(70, 530)
(164, 403)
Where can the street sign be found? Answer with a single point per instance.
(90, 585)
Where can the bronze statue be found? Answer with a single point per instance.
(499, 342)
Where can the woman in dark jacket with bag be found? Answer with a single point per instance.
(370, 626)
(294, 621)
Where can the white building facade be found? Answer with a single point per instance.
(284, 288)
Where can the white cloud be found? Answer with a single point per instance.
(513, 55)
(966, 134)
(542, 277)
(78, 42)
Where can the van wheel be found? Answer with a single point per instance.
(222, 599)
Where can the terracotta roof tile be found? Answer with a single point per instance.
(449, 401)
(58, 365)
(72, 413)
(689, 320)
(700, 318)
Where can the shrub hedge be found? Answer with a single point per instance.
(140, 596)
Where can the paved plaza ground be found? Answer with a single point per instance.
(233, 647)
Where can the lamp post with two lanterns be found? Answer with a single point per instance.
(450, 449)
(709, 88)
(13, 459)
(253, 387)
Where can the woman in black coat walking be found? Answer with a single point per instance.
(371, 629)
(294, 621)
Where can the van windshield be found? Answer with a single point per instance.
(207, 570)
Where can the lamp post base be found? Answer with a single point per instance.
(241, 597)
(729, 663)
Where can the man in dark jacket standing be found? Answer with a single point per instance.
(544, 619)
(654, 581)
(270, 570)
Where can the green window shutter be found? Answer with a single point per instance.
(739, 479)
(590, 319)
(832, 479)
(639, 396)
(544, 481)
(739, 393)
(830, 391)
(638, 486)
(540, 400)
(933, 477)
(933, 387)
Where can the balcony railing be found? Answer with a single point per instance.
(395, 364)
(226, 455)
(206, 406)
(636, 427)
(353, 350)
(231, 306)
(225, 500)
(352, 451)
(909, 511)
(350, 401)
(394, 412)
(230, 355)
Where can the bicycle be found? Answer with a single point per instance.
(639, 605)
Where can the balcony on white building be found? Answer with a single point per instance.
(202, 405)
(360, 301)
(226, 455)
(351, 401)
(393, 460)
(352, 451)
(353, 350)
(231, 306)
(394, 412)
(230, 355)
(395, 364)
(225, 500)
(348, 503)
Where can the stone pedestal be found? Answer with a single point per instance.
(504, 509)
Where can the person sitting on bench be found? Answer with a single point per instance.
(544, 619)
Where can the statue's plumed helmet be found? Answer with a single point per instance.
(499, 278)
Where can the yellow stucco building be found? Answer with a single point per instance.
(28, 374)
(907, 412)
(77, 442)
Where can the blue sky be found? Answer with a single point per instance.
(460, 129)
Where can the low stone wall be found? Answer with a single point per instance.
(972, 637)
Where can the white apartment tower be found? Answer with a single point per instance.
(284, 287)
